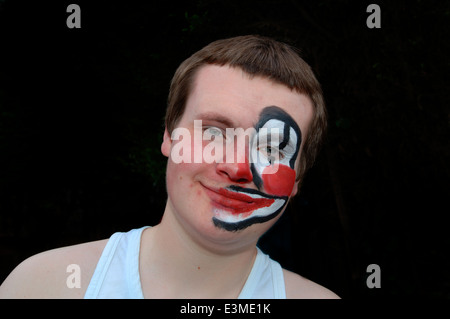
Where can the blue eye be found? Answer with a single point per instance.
(214, 131)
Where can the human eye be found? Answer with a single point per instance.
(271, 153)
(213, 131)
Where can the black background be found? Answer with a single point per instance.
(81, 122)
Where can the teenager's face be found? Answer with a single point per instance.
(240, 196)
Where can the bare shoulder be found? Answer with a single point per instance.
(45, 275)
(298, 287)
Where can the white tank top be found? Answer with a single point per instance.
(117, 273)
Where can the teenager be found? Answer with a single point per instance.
(244, 121)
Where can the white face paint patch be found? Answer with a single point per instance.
(243, 207)
(274, 146)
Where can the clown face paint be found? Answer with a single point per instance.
(273, 168)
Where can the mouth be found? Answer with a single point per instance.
(236, 208)
(235, 204)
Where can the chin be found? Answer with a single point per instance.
(231, 239)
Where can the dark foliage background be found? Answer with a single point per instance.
(81, 124)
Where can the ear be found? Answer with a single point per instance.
(166, 144)
(295, 188)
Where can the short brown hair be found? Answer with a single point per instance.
(256, 56)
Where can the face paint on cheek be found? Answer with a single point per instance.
(279, 183)
(238, 208)
(276, 177)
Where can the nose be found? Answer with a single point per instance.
(238, 171)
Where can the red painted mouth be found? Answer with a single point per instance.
(235, 202)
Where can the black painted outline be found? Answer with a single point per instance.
(233, 227)
(268, 113)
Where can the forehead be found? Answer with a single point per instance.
(235, 95)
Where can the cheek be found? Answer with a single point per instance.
(175, 173)
(280, 183)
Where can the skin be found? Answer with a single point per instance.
(189, 184)
(187, 249)
(272, 172)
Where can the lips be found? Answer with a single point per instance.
(236, 202)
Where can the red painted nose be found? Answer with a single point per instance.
(236, 172)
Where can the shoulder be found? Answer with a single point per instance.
(298, 287)
(46, 275)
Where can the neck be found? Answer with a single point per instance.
(181, 266)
